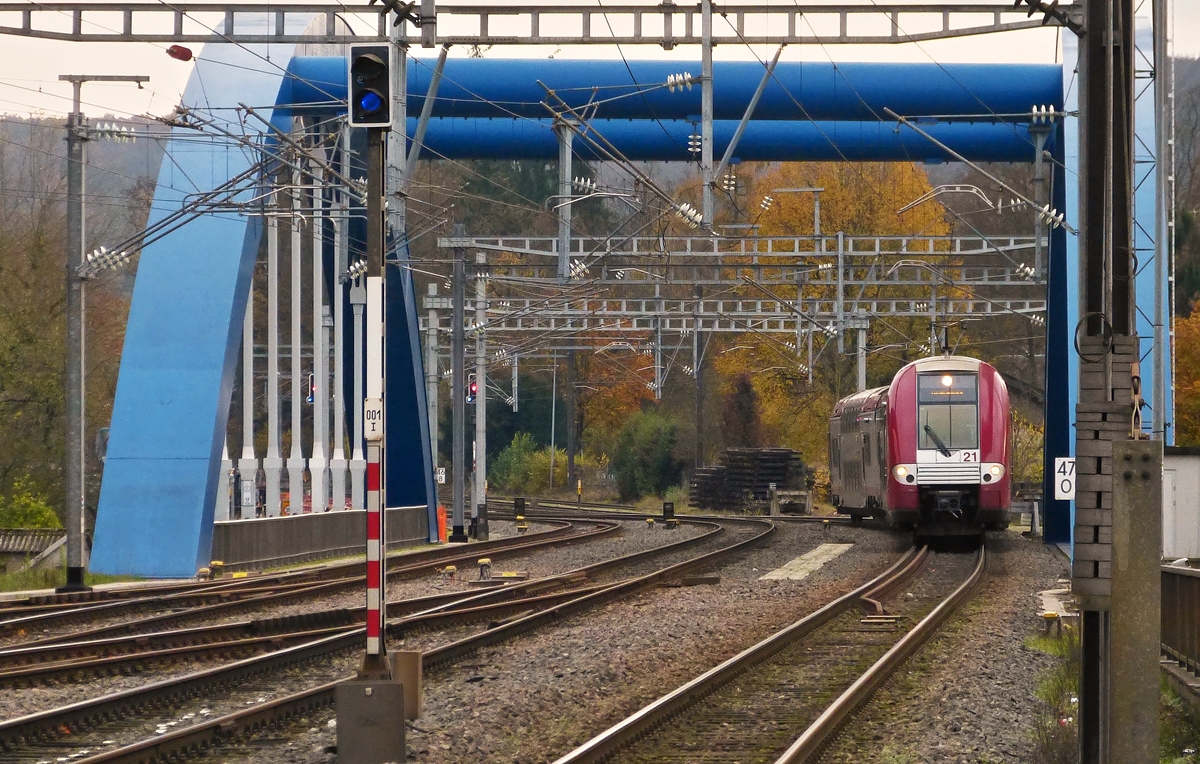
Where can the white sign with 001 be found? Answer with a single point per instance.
(373, 419)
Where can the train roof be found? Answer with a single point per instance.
(867, 400)
(945, 363)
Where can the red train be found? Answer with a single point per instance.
(930, 452)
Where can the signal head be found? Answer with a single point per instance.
(370, 81)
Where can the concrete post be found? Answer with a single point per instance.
(862, 359)
(480, 491)
(841, 291)
(221, 510)
(248, 463)
(318, 465)
(273, 462)
(76, 454)
(458, 391)
(358, 457)
(706, 113)
(337, 461)
(295, 462)
(1135, 641)
(431, 374)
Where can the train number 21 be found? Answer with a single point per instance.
(970, 456)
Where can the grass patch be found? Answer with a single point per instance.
(27, 580)
(1178, 729)
(889, 755)
(1055, 729)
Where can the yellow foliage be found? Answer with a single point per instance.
(859, 199)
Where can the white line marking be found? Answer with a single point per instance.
(807, 563)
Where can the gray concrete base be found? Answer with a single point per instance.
(370, 722)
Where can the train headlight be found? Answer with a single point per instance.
(900, 471)
(992, 472)
(996, 470)
(947, 381)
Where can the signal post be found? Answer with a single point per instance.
(370, 708)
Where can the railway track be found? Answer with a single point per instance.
(782, 699)
(207, 603)
(190, 593)
(112, 729)
(60, 661)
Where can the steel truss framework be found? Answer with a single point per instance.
(666, 24)
(644, 296)
(812, 267)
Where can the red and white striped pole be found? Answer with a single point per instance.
(375, 664)
(373, 430)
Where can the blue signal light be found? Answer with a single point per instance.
(370, 102)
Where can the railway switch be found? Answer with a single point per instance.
(449, 572)
(485, 568)
(650, 523)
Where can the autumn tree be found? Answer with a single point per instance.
(857, 199)
(32, 309)
(1187, 379)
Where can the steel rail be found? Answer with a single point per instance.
(623, 733)
(305, 589)
(71, 667)
(39, 602)
(64, 660)
(202, 735)
(865, 686)
(872, 601)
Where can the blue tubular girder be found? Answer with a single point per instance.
(473, 87)
(767, 141)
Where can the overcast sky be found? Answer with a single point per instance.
(31, 67)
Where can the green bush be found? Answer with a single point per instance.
(523, 468)
(24, 509)
(510, 470)
(644, 462)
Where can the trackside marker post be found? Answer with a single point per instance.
(370, 707)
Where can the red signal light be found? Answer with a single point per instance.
(180, 53)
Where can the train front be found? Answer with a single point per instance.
(948, 447)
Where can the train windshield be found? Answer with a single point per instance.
(948, 411)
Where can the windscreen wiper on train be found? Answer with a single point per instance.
(937, 441)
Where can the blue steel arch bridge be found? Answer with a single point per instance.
(274, 179)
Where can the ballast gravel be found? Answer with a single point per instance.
(969, 695)
(15, 702)
(534, 698)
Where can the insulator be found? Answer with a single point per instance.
(766, 202)
(619, 274)
(679, 81)
(584, 185)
